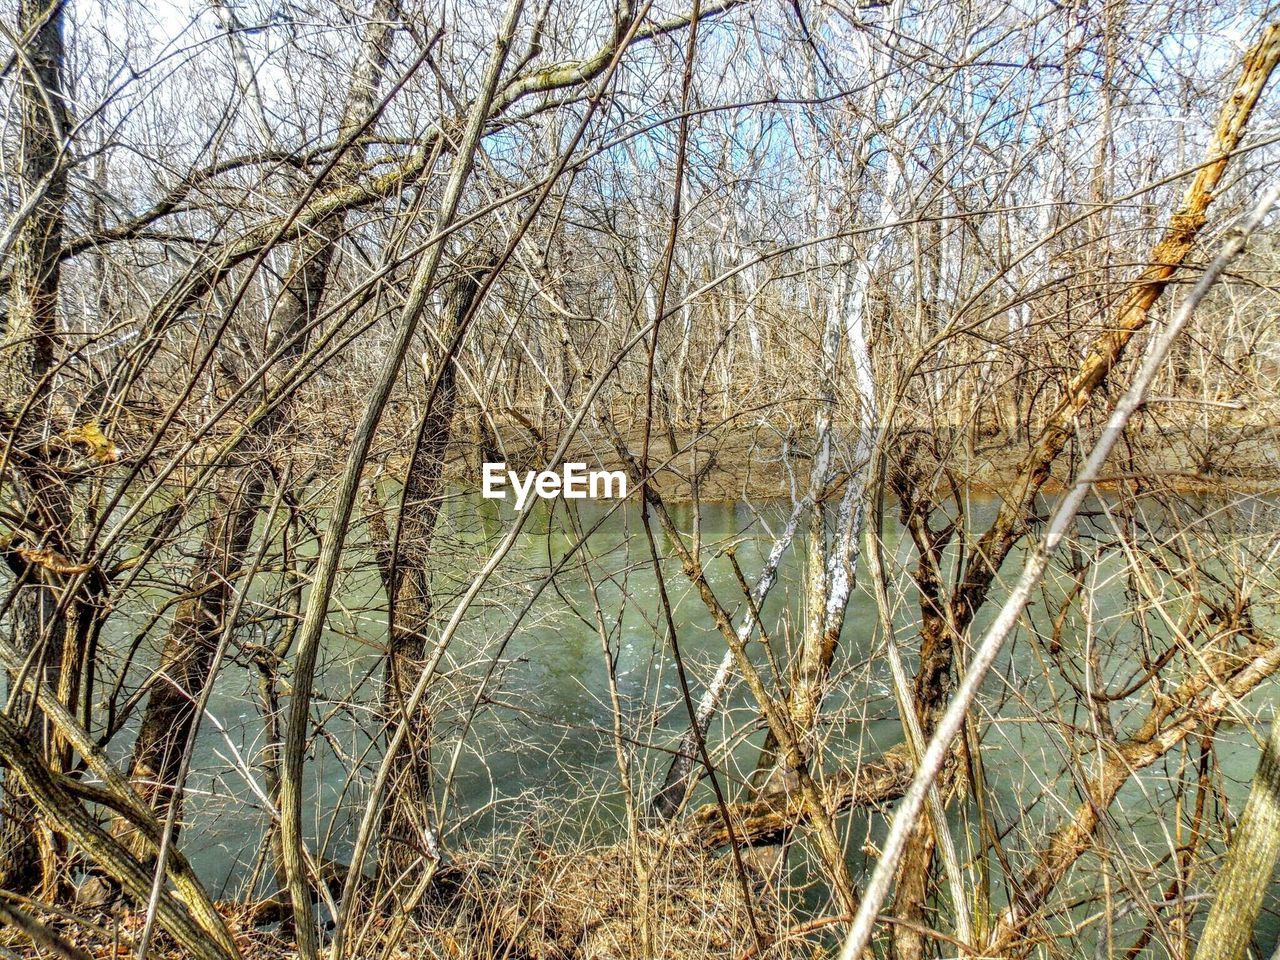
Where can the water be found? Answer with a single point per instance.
(539, 755)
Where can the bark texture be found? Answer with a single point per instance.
(68, 816)
(1242, 883)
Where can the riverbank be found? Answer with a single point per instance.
(735, 462)
(584, 903)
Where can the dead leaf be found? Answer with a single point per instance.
(94, 441)
(51, 560)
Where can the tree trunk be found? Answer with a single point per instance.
(1242, 883)
(190, 643)
(26, 360)
(408, 838)
(941, 627)
(189, 647)
(63, 812)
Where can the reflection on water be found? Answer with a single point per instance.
(539, 754)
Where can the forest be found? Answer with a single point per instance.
(541, 480)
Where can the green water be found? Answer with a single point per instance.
(539, 756)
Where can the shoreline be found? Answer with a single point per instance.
(737, 466)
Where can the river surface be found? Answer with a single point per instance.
(538, 756)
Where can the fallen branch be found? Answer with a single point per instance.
(771, 815)
(66, 816)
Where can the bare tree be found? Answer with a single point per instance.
(871, 306)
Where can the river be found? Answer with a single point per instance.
(539, 755)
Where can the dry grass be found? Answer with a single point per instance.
(591, 904)
(580, 904)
